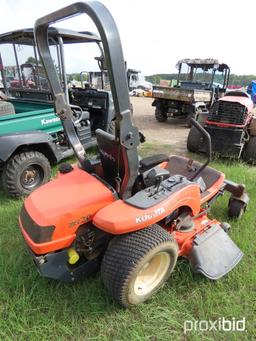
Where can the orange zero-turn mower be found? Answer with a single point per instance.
(131, 218)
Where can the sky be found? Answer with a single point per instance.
(156, 34)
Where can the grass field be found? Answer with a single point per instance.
(34, 308)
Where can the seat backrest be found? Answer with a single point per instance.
(119, 164)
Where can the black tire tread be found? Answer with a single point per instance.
(250, 151)
(159, 115)
(124, 253)
(12, 166)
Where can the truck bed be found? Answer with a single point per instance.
(30, 116)
(181, 94)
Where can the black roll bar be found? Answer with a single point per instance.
(125, 132)
(207, 137)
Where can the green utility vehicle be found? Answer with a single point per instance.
(31, 135)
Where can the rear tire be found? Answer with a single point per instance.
(137, 264)
(25, 172)
(160, 115)
(250, 151)
(194, 140)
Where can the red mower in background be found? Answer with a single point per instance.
(231, 123)
(131, 219)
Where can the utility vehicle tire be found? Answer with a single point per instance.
(137, 264)
(236, 208)
(160, 115)
(193, 140)
(25, 172)
(250, 151)
(6, 108)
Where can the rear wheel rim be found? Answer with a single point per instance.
(31, 177)
(152, 273)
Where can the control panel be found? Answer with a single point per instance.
(153, 195)
(88, 98)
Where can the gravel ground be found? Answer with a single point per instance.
(172, 133)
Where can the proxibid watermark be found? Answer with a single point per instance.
(221, 324)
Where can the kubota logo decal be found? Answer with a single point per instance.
(151, 215)
(50, 120)
(107, 155)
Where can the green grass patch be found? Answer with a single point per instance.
(35, 308)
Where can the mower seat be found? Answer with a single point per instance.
(120, 166)
(152, 161)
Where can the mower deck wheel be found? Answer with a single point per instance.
(236, 208)
(136, 265)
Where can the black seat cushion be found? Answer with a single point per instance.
(152, 161)
(120, 165)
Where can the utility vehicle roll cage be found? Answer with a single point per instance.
(126, 134)
(57, 37)
(206, 65)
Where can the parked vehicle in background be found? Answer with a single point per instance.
(251, 90)
(231, 123)
(200, 82)
(32, 138)
(137, 84)
(32, 76)
(137, 81)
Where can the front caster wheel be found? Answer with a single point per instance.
(236, 208)
(136, 265)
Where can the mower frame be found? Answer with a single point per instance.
(130, 213)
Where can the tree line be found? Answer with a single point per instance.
(242, 80)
